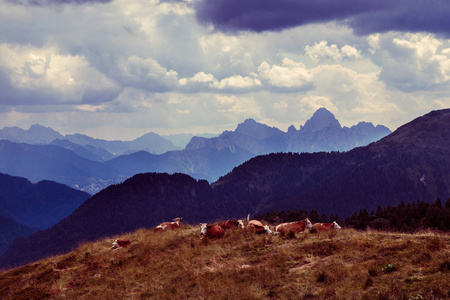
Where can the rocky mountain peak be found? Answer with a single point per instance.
(321, 119)
(256, 130)
(292, 129)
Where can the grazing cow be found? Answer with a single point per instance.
(120, 243)
(211, 231)
(168, 225)
(296, 227)
(326, 226)
(231, 224)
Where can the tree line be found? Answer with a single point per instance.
(404, 217)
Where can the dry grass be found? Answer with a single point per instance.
(344, 264)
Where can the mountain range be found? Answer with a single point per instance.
(410, 164)
(92, 164)
(40, 135)
(320, 133)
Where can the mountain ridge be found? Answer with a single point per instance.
(38, 205)
(322, 132)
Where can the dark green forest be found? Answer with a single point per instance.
(404, 217)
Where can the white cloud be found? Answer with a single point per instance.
(428, 57)
(289, 75)
(442, 103)
(374, 42)
(321, 51)
(353, 95)
(238, 82)
(238, 107)
(147, 73)
(202, 78)
(414, 62)
(205, 81)
(312, 103)
(53, 77)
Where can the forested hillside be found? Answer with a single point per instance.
(404, 217)
(40, 204)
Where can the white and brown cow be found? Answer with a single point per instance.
(120, 243)
(175, 224)
(211, 231)
(258, 227)
(298, 226)
(326, 226)
(232, 224)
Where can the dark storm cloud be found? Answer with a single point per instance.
(364, 16)
(55, 2)
(412, 16)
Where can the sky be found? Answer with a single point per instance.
(122, 68)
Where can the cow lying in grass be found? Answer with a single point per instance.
(211, 231)
(175, 224)
(296, 227)
(231, 224)
(120, 243)
(326, 226)
(258, 227)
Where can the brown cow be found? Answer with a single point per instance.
(229, 224)
(296, 227)
(211, 231)
(120, 243)
(326, 226)
(168, 225)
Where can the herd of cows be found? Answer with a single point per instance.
(215, 231)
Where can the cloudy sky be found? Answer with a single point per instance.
(118, 69)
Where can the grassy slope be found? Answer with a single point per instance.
(344, 264)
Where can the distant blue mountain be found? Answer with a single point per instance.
(39, 162)
(150, 142)
(320, 133)
(205, 163)
(101, 149)
(86, 151)
(37, 134)
(182, 139)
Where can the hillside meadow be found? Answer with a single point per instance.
(339, 264)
